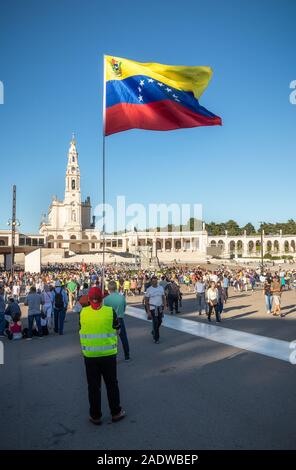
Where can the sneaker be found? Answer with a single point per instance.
(28, 339)
(156, 341)
(119, 416)
(97, 422)
(127, 359)
(268, 311)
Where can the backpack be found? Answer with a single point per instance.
(173, 289)
(58, 300)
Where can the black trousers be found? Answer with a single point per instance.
(173, 301)
(96, 368)
(156, 322)
(216, 310)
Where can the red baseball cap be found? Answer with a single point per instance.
(95, 297)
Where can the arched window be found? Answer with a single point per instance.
(178, 245)
(73, 159)
(232, 246)
(168, 245)
(73, 184)
(239, 246)
(221, 244)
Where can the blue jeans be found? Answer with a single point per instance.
(2, 323)
(123, 337)
(201, 302)
(268, 302)
(220, 306)
(38, 324)
(59, 318)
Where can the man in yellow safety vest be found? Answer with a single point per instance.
(98, 338)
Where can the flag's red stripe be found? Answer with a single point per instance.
(162, 115)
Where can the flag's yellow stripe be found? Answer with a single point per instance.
(185, 78)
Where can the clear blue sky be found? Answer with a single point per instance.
(51, 66)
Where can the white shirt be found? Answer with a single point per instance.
(15, 290)
(154, 294)
(212, 294)
(214, 277)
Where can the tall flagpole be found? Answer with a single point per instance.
(103, 172)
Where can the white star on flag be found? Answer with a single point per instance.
(140, 89)
(168, 89)
(160, 84)
(142, 82)
(150, 80)
(175, 96)
(140, 98)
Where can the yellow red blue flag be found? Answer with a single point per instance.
(155, 96)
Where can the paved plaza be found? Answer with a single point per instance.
(188, 392)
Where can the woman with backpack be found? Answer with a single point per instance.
(173, 296)
(47, 297)
(60, 303)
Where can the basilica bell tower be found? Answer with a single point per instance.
(72, 188)
(72, 199)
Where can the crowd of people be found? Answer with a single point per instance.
(58, 288)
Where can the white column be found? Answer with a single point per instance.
(173, 245)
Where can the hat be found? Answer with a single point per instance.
(95, 297)
(58, 284)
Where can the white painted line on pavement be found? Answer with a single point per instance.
(271, 347)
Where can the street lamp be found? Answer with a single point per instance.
(13, 223)
(261, 246)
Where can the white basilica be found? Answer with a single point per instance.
(69, 221)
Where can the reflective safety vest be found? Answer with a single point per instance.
(97, 336)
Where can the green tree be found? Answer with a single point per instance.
(249, 228)
(232, 227)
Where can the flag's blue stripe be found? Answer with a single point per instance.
(131, 89)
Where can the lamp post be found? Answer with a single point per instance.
(261, 247)
(13, 223)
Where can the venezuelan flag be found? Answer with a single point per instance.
(154, 96)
